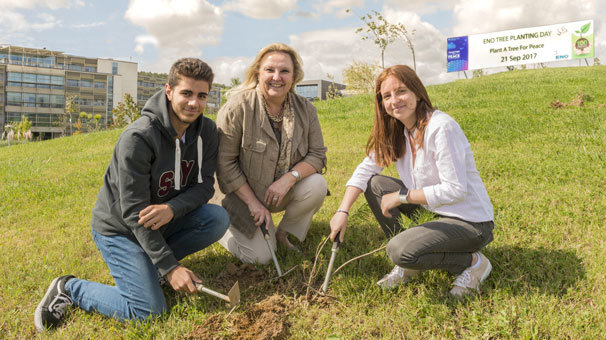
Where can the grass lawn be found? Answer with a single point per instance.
(544, 168)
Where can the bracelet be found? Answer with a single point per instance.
(343, 211)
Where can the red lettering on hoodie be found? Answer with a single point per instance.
(166, 182)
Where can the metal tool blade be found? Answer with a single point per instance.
(335, 250)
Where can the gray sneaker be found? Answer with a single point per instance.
(469, 280)
(398, 276)
(51, 309)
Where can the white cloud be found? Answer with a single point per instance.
(261, 9)
(143, 40)
(226, 68)
(178, 28)
(52, 4)
(14, 22)
(329, 51)
(420, 7)
(338, 7)
(89, 25)
(483, 16)
(429, 47)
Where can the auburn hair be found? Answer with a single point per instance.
(387, 140)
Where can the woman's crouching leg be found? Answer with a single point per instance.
(253, 250)
(301, 203)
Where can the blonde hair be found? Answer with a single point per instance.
(251, 78)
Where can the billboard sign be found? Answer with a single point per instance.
(573, 40)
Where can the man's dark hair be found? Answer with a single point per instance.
(191, 68)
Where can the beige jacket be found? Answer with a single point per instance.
(248, 148)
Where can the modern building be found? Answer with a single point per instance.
(149, 83)
(35, 83)
(318, 89)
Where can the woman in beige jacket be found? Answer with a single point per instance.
(271, 154)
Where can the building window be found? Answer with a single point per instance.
(43, 119)
(85, 83)
(72, 82)
(90, 69)
(57, 80)
(57, 101)
(13, 98)
(99, 85)
(46, 61)
(75, 67)
(29, 99)
(13, 117)
(16, 59)
(43, 100)
(13, 76)
(85, 102)
(308, 91)
(114, 67)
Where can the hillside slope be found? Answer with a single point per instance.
(544, 168)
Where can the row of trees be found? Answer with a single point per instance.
(73, 121)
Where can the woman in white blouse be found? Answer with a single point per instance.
(437, 171)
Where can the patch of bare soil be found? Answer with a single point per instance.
(208, 330)
(602, 106)
(578, 101)
(265, 320)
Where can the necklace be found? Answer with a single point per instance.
(277, 118)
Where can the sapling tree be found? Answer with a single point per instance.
(383, 33)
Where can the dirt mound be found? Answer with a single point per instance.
(208, 330)
(263, 320)
(578, 101)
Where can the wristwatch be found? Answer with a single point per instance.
(296, 174)
(403, 195)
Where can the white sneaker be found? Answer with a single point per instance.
(470, 279)
(398, 276)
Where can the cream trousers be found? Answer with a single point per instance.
(300, 204)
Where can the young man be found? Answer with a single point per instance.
(152, 210)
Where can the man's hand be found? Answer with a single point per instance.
(183, 279)
(155, 216)
(389, 202)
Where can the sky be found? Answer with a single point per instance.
(228, 34)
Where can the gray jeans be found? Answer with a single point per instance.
(446, 243)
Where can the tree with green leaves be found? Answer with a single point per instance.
(360, 76)
(235, 82)
(125, 112)
(383, 33)
(65, 120)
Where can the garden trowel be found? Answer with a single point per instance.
(232, 297)
(335, 250)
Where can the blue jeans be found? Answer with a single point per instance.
(137, 293)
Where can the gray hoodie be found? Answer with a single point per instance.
(143, 172)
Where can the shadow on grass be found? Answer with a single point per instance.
(523, 270)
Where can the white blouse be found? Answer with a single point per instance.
(444, 168)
